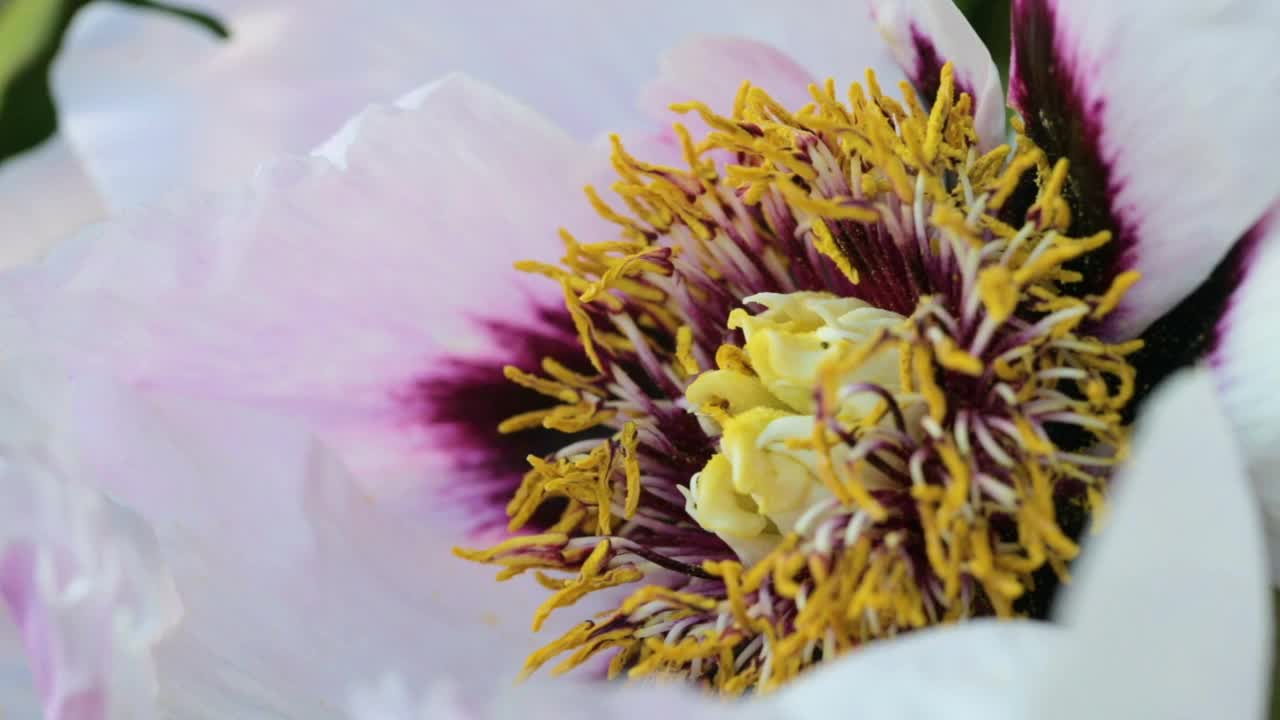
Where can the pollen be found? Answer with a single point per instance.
(844, 386)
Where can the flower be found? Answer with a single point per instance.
(909, 428)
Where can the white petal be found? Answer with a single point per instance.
(44, 197)
(925, 34)
(1163, 109)
(391, 699)
(1170, 615)
(979, 670)
(1246, 362)
(982, 669)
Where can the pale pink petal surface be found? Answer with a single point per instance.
(44, 196)
(132, 82)
(1164, 110)
(82, 582)
(338, 293)
(926, 34)
(291, 581)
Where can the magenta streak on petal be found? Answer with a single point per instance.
(18, 592)
(462, 399)
(1048, 86)
(17, 587)
(926, 76)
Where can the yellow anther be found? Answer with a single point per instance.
(523, 421)
(618, 270)
(938, 115)
(631, 465)
(589, 580)
(684, 351)
(826, 244)
(998, 291)
(611, 215)
(541, 385)
(861, 496)
(1119, 286)
(582, 323)
(1012, 175)
(555, 369)
(582, 415)
(953, 358)
(1058, 254)
(604, 491)
(512, 544)
(922, 367)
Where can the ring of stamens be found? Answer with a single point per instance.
(941, 503)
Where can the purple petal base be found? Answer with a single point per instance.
(461, 401)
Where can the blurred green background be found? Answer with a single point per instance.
(31, 33)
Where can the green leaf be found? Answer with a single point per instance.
(1275, 666)
(991, 19)
(208, 22)
(31, 34)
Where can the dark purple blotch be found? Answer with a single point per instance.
(1047, 88)
(461, 401)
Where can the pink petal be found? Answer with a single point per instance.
(333, 292)
(82, 582)
(1244, 361)
(130, 82)
(44, 196)
(710, 69)
(1170, 613)
(926, 34)
(291, 579)
(1161, 109)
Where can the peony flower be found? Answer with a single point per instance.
(804, 380)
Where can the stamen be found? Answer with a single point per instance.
(838, 395)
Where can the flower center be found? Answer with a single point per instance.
(762, 407)
(847, 384)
